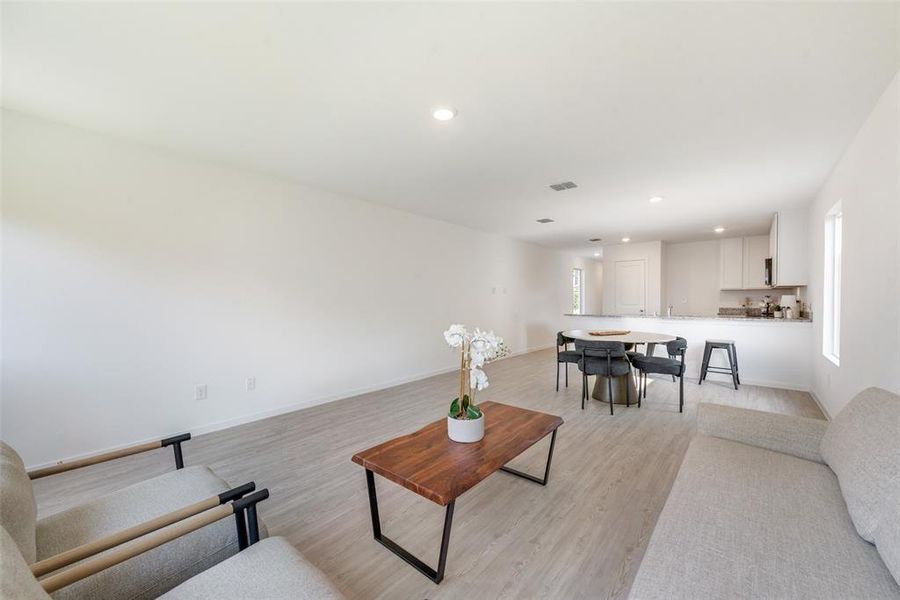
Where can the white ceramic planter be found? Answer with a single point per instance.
(465, 431)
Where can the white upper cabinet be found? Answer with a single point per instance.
(731, 264)
(756, 251)
(742, 262)
(788, 247)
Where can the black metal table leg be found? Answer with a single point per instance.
(434, 575)
(546, 470)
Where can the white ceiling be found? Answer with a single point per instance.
(728, 110)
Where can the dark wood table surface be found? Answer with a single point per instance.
(435, 467)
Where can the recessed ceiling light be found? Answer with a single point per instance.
(719, 229)
(443, 113)
(626, 239)
(545, 220)
(596, 254)
(656, 199)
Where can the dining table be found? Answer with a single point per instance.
(624, 390)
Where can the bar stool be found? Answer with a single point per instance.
(730, 350)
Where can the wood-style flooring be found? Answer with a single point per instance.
(582, 536)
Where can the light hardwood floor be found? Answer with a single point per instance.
(582, 536)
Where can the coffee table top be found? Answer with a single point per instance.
(432, 465)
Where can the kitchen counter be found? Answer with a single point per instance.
(771, 352)
(692, 317)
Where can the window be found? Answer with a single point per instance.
(831, 328)
(577, 291)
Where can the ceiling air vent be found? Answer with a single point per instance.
(595, 240)
(565, 185)
(545, 220)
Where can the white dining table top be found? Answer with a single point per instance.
(632, 337)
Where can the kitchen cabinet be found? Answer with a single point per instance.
(756, 251)
(731, 264)
(742, 262)
(788, 247)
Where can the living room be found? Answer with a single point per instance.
(285, 285)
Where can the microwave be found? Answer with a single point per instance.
(770, 281)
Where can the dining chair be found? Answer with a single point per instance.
(673, 366)
(606, 359)
(564, 356)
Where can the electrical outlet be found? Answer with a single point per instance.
(251, 384)
(200, 392)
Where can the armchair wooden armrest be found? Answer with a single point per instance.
(174, 441)
(63, 559)
(160, 536)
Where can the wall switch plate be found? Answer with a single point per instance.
(200, 392)
(251, 384)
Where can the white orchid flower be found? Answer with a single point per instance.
(476, 359)
(482, 342)
(456, 335)
(479, 379)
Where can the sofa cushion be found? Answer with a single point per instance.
(790, 434)
(887, 533)
(16, 580)
(271, 569)
(745, 522)
(862, 447)
(18, 510)
(160, 569)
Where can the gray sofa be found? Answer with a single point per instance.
(775, 506)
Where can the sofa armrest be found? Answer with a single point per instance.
(797, 436)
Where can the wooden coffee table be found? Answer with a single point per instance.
(431, 465)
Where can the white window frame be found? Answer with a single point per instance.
(578, 289)
(831, 292)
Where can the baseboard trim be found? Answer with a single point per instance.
(783, 385)
(277, 410)
(286, 408)
(818, 402)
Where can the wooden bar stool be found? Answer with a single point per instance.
(731, 351)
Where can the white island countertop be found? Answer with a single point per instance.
(694, 317)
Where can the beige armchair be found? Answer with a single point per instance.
(55, 541)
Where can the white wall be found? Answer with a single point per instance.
(131, 274)
(691, 275)
(593, 285)
(649, 251)
(867, 182)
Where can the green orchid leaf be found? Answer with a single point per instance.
(473, 412)
(455, 410)
(465, 402)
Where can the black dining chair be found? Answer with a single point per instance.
(607, 359)
(564, 356)
(673, 366)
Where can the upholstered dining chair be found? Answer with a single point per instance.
(564, 356)
(674, 366)
(606, 359)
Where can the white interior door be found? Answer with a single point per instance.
(631, 285)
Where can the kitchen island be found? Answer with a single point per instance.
(771, 352)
